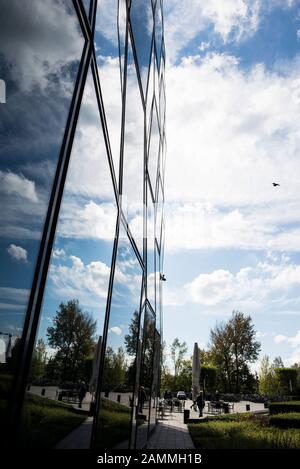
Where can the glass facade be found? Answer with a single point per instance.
(82, 162)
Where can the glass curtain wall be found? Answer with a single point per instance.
(81, 234)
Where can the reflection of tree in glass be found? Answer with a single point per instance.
(38, 363)
(114, 368)
(73, 335)
(131, 339)
(148, 353)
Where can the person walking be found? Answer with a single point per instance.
(82, 393)
(143, 397)
(200, 403)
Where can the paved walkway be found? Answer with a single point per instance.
(78, 438)
(171, 433)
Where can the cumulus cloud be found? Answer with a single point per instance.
(225, 155)
(17, 252)
(231, 20)
(274, 281)
(293, 341)
(116, 330)
(87, 282)
(32, 62)
(17, 185)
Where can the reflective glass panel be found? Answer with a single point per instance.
(86, 4)
(64, 369)
(150, 250)
(153, 150)
(109, 44)
(155, 381)
(40, 49)
(115, 418)
(141, 16)
(159, 212)
(158, 292)
(146, 379)
(133, 160)
(158, 31)
(137, 421)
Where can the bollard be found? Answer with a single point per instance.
(43, 391)
(186, 415)
(119, 397)
(247, 407)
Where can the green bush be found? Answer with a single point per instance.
(284, 407)
(45, 422)
(289, 420)
(114, 424)
(244, 434)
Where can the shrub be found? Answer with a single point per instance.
(290, 420)
(284, 407)
(244, 434)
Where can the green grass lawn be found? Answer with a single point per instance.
(45, 422)
(114, 424)
(242, 431)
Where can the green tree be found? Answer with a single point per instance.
(208, 378)
(233, 347)
(178, 352)
(73, 336)
(131, 339)
(278, 363)
(287, 380)
(184, 376)
(268, 382)
(38, 363)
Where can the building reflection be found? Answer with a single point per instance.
(81, 186)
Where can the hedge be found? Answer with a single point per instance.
(284, 407)
(290, 420)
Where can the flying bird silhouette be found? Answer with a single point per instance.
(275, 184)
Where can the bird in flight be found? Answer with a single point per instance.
(275, 184)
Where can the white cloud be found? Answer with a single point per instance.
(88, 283)
(17, 252)
(233, 19)
(274, 282)
(224, 156)
(293, 341)
(116, 330)
(32, 62)
(278, 339)
(17, 185)
(59, 253)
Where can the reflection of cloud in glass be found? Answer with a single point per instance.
(35, 60)
(17, 252)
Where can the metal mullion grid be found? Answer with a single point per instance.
(158, 5)
(119, 42)
(41, 269)
(146, 237)
(138, 364)
(153, 187)
(149, 310)
(104, 336)
(136, 62)
(143, 94)
(99, 98)
(132, 240)
(150, 68)
(120, 221)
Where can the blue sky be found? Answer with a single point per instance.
(233, 128)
